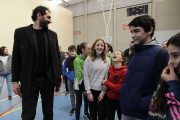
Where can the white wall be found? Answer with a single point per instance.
(17, 13)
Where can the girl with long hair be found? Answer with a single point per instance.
(83, 50)
(5, 70)
(167, 100)
(95, 71)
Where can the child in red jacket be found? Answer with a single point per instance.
(112, 85)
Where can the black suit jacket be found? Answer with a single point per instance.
(25, 58)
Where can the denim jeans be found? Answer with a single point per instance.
(8, 78)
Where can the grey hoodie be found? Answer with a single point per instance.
(7, 69)
(153, 41)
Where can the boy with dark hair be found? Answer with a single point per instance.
(140, 79)
(72, 48)
(69, 63)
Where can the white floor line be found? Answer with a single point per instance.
(7, 98)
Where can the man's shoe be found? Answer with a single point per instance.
(72, 111)
(10, 97)
(86, 114)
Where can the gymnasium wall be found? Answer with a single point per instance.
(17, 13)
(165, 12)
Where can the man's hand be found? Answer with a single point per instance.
(61, 82)
(16, 89)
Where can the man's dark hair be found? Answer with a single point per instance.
(145, 22)
(72, 47)
(39, 9)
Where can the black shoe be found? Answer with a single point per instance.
(72, 111)
(66, 93)
(86, 114)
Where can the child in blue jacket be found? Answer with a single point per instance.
(69, 63)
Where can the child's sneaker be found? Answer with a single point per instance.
(86, 114)
(72, 111)
(66, 93)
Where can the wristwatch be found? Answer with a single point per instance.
(88, 92)
(13, 82)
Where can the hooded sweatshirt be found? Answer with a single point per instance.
(109, 55)
(115, 81)
(173, 103)
(5, 67)
(139, 82)
(78, 67)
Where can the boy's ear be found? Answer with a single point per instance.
(151, 30)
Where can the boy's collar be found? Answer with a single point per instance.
(152, 42)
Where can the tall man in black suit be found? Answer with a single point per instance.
(36, 63)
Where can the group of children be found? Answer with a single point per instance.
(91, 75)
(104, 80)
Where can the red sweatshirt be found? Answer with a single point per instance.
(115, 81)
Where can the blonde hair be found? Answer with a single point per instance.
(93, 55)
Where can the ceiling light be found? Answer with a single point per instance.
(57, 1)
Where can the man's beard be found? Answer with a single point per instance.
(176, 70)
(43, 24)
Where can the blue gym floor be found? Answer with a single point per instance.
(11, 109)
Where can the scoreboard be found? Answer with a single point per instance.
(138, 10)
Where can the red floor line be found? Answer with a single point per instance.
(10, 108)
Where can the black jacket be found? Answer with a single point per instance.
(25, 59)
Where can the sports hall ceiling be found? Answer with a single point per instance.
(74, 1)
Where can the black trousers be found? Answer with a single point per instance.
(111, 107)
(97, 109)
(79, 94)
(66, 85)
(46, 88)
